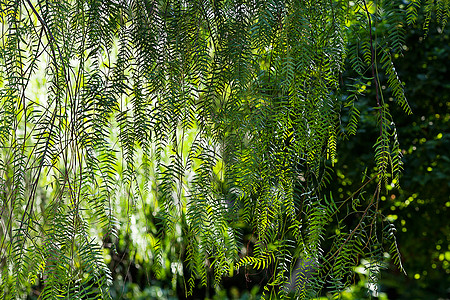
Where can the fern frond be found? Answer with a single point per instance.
(394, 82)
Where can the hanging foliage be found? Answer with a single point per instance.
(182, 122)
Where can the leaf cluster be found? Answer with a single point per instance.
(197, 118)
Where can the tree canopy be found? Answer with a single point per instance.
(204, 133)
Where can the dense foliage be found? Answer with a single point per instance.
(197, 138)
(419, 208)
